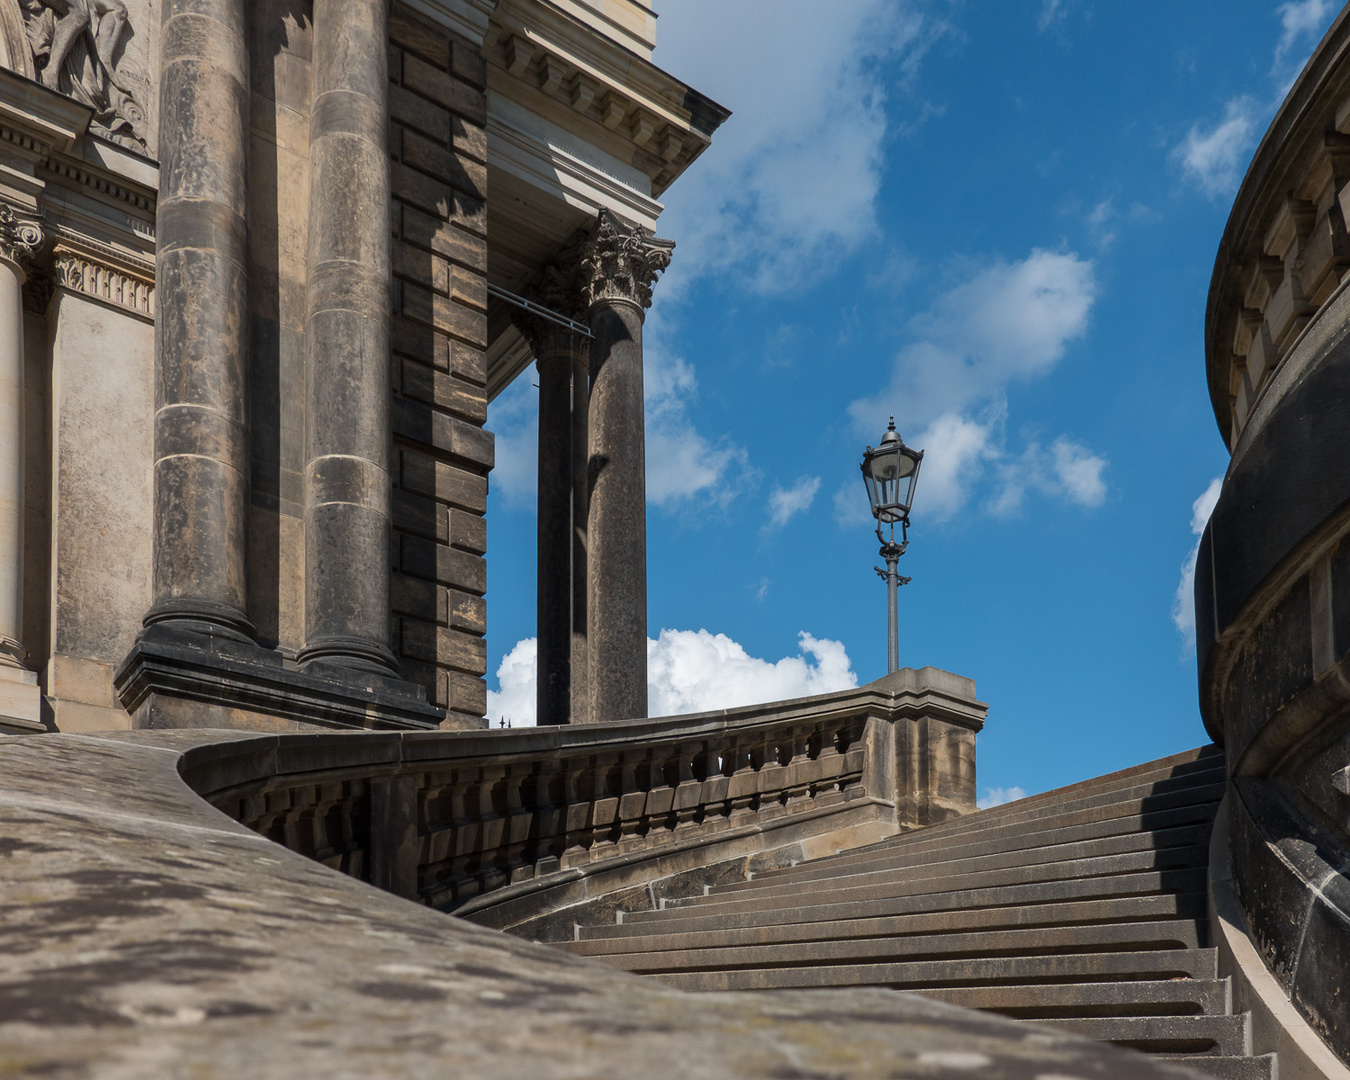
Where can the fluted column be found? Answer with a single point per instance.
(19, 240)
(619, 265)
(201, 441)
(347, 485)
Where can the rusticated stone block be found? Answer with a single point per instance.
(411, 111)
(468, 531)
(443, 646)
(444, 89)
(421, 343)
(464, 174)
(442, 481)
(444, 564)
(409, 32)
(467, 63)
(468, 139)
(414, 515)
(419, 423)
(435, 197)
(444, 391)
(468, 248)
(443, 313)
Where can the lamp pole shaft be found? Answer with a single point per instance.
(892, 615)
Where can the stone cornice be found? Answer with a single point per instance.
(20, 238)
(637, 111)
(619, 263)
(102, 273)
(467, 18)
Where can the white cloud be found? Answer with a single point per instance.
(1099, 221)
(790, 185)
(850, 504)
(1300, 20)
(693, 671)
(785, 503)
(1183, 603)
(513, 700)
(1214, 156)
(681, 462)
(513, 418)
(997, 796)
(1053, 14)
(1214, 159)
(1007, 323)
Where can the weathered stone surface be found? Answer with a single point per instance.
(168, 933)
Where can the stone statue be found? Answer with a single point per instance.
(72, 46)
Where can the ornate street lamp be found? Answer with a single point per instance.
(890, 472)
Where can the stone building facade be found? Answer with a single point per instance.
(1272, 583)
(262, 270)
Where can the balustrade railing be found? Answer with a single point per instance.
(472, 821)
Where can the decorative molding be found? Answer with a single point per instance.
(20, 238)
(102, 273)
(38, 291)
(620, 263)
(468, 18)
(101, 182)
(557, 288)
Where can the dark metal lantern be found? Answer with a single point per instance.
(890, 472)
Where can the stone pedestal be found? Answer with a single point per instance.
(618, 266)
(20, 698)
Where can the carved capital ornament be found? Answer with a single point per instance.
(620, 263)
(20, 238)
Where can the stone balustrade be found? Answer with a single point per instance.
(517, 827)
(1285, 251)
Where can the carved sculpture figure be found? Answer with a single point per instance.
(71, 46)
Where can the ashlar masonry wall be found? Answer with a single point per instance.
(442, 454)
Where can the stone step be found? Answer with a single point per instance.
(898, 854)
(917, 868)
(1224, 1068)
(1192, 856)
(1068, 967)
(1165, 935)
(1190, 1035)
(684, 920)
(1143, 997)
(976, 828)
(629, 937)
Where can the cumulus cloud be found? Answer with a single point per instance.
(785, 503)
(514, 700)
(997, 796)
(693, 671)
(791, 184)
(1183, 603)
(1006, 323)
(1214, 158)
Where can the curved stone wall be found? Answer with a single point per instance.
(1273, 574)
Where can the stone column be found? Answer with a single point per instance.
(581, 397)
(20, 699)
(347, 484)
(560, 356)
(619, 265)
(201, 453)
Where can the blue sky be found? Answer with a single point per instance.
(997, 221)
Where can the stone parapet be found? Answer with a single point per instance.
(519, 827)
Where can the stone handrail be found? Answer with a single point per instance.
(520, 826)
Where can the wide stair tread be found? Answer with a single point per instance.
(1082, 909)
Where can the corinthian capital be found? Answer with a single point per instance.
(555, 289)
(620, 263)
(19, 238)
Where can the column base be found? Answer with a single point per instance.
(20, 702)
(175, 678)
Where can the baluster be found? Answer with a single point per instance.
(632, 799)
(605, 808)
(687, 801)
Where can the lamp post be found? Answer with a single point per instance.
(890, 473)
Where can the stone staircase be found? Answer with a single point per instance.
(1082, 908)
